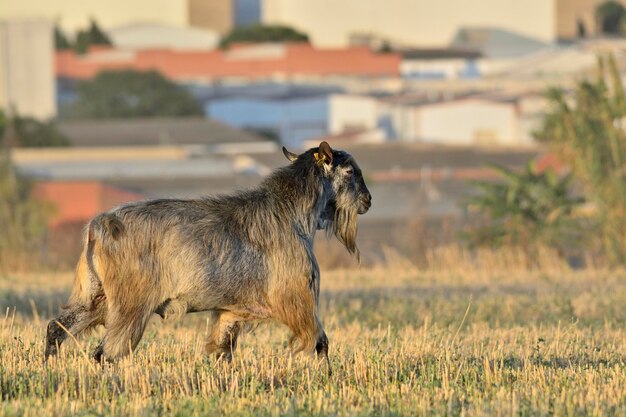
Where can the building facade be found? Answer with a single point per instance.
(294, 120)
(466, 121)
(72, 15)
(27, 76)
(429, 23)
(160, 36)
(329, 22)
(224, 15)
(260, 61)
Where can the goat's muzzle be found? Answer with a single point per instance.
(365, 202)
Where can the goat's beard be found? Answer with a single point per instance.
(342, 223)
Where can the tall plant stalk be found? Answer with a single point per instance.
(585, 128)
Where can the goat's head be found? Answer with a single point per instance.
(349, 194)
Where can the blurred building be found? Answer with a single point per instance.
(27, 76)
(517, 63)
(430, 23)
(143, 149)
(161, 36)
(444, 63)
(469, 122)
(405, 22)
(482, 51)
(495, 43)
(73, 205)
(72, 15)
(224, 15)
(162, 131)
(483, 120)
(77, 202)
(294, 118)
(259, 61)
(214, 15)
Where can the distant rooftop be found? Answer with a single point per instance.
(132, 169)
(440, 53)
(409, 156)
(264, 90)
(152, 131)
(252, 61)
(418, 98)
(495, 42)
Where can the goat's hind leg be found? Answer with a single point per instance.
(124, 331)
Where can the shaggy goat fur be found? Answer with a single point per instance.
(246, 256)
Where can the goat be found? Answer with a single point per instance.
(243, 257)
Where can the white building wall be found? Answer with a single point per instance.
(421, 23)
(27, 78)
(152, 36)
(469, 122)
(434, 68)
(294, 120)
(351, 112)
(397, 121)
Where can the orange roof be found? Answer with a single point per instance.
(248, 61)
(79, 201)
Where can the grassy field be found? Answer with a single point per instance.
(473, 340)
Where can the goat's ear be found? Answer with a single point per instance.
(325, 153)
(289, 155)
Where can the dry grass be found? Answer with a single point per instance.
(403, 342)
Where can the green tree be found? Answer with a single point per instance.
(93, 35)
(526, 209)
(60, 40)
(129, 93)
(610, 17)
(263, 33)
(29, 132)
(4, 122)
(23, 220)
(385, 48)
(586, 129)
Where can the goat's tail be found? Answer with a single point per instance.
(98, 244)
(106, 226)
(99, 234)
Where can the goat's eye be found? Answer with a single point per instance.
(349, 171)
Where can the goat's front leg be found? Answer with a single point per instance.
(321, 346)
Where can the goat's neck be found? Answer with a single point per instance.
(315, 202)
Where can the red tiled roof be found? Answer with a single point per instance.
(288, 59)
(79, 201)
